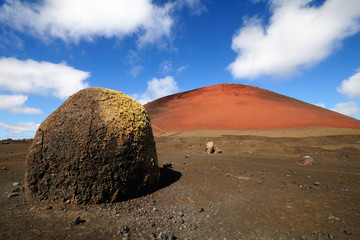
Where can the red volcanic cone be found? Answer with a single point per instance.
(238, 107)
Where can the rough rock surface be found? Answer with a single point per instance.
(96, 147)
(307, 160)
(210, 148)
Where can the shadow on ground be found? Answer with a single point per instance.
(168, 177)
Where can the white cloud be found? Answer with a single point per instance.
(19, 128)
(9, 39)
(166, 67)
(134, 71)
(182, 68)
(351, 86)
(158, 88)
(347, 108)
(32, 77)
(132, 57)
(196, 6)
(298, 36)
(320, 105)
(15, 104)
(73, 21)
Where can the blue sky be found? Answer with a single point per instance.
(50, 49)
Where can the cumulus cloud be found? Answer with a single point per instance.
(351, 87)
(15, 104)
(298, 35)
(19, 128)
(72, 21)
(347, 108)
(158, 88)
(44, 78)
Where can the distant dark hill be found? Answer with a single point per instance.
(238, 107)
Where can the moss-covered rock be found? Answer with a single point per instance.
(96, 147)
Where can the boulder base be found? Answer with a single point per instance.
(96, 147)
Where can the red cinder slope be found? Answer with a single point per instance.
(237, 106)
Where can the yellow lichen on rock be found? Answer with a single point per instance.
(98, 146)
(130, 115)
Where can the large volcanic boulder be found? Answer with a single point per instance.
(96, 147)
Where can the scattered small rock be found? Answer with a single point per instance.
(330, 236)
(210, 148)
(187, 156)
(48, 207)
(172, 237)
(11, 195)
(202, 210)
(307, 160)
(218, 150)
(332, 217)
(317, 184)
(16, 184)
(167, 165)
(347, 232)
(153, 236)
(4, 168)
(193, 226)
(78, 220)
(303, 237)
(162, 236)
(124, 230)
